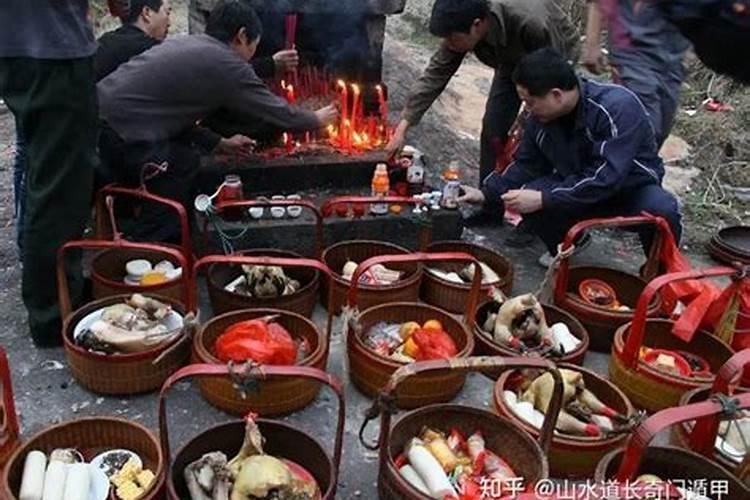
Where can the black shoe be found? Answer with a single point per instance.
(484, 218)
(520, 237)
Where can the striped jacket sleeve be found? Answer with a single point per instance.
(623, 129)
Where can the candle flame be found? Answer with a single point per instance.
(355, 88)
(379, 89)
(286, 137)
(283, 84)
(342, 84)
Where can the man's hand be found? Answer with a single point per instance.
(239, 145)
(472, 195)
(594, 59)
(286, 61)
(523, 201)
(328, 115)
(398, 139)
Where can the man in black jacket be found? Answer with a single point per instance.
(146, 24)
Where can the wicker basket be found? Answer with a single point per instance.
(452, 296)
(370, 371)
(281, 440)
(8, 419)
(486, 346)
(108, 272)
(90, 436)
(572, 457)
(122, 374)
(667, 462)
(272, 396)
(682, 434)
(303, 301)
(646, 386)
(523, 454)
(600, 322)
(404, 290)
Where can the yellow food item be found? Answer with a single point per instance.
(153, 278)
(129, 471)
(442, 452)
(408, 329)
(433, 324)
(129, 491)
(411, 348)
(145, 478)
(395, 209)
(648, 478)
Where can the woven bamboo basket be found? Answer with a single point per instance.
(108, 266)
(646, 386)
(601, 323)
(687, 435)
(120, 374)
(572, 457)
(108, 272)
(525, 456)
(303, 301)
(404, 290)
(281, 440)
(272, 396)
(8, 419)
(452, 296)
(90, 436)
(680, 466)
(486, 346)
(370, 372)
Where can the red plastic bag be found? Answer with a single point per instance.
(256, 340)
(434, 344)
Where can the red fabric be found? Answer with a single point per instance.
(256, 340)
(434, 344)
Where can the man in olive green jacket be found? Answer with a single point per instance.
(500, 33)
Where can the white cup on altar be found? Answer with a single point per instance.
(278, 212)
(294, 211)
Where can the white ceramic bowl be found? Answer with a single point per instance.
(278, 212)
(255, 212)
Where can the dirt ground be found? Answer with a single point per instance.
(47, 393)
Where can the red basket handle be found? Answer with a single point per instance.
(257, 260)
(114, 191)
(651, 267)
(643, 435)
(223, 206)
(63, 292)
(425, 234)
(8, 418)
(703, 436)
(256, 373)
(422, 257)
(638, 327)
(385, 404)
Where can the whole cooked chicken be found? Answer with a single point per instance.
(268, 282)
(519, 323)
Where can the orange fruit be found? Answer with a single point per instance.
(411, 348)
(407, 329)
(433, 324)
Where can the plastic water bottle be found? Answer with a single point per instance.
(452, 186)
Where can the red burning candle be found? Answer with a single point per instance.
(307, 137)
(344, 109)
(290, 94)
(383, 105)
(288, 143)
(355, 106)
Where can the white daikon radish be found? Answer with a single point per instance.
(565, 340)
(78, 482)
(429, 470)
(529, 414)
(32, 480)
(510, 398)
(54, 481)
(411, 476)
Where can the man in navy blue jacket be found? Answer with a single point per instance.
(589, 150)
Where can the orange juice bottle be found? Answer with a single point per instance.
(380, 188)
